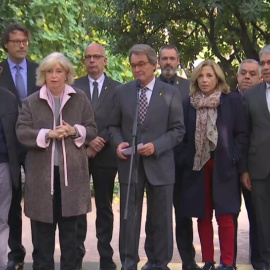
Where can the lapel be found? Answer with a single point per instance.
(31, 77)
(85, 86)
(104, 91)
(261, 95)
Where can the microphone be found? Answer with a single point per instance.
(138, 84)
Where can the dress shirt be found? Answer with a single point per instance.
(23, 71)
(268, 95)
(100, 82)
(150, 87)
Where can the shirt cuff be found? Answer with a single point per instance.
(42, 138)
(80, 140)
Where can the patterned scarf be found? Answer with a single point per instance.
(206, 133)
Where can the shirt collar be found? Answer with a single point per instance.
(100, 80)
(170, 81)
(151, 85)
(23, 64)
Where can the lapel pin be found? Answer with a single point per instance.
(177, 82)
(160, 93)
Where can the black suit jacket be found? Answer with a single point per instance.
(106, 157)
(8, 115)
(7, 82)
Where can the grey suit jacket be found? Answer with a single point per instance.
(106, 157)
(259, 125)
(163, 126)
(8, 115)
(6, 79)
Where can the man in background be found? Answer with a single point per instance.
(19, 77)
(257, 177)
(169, 61)
(248, 75)
(99, 88)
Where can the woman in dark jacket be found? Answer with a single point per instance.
(216, 138)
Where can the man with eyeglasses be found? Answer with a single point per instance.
(18, 76)
(169, 60)
(160, 128)
(99, 88)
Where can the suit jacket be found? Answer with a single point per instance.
(259, 126)
(163, 126)
(8, 115)
(183, 86)
(6, 79)
(107, 156)
(229, 157)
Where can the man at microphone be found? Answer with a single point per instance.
(160, 128)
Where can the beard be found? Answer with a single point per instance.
(168, 71)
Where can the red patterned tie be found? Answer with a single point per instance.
(143, 104)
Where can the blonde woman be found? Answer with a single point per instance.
(215, 143)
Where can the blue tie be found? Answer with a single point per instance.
(20, 84)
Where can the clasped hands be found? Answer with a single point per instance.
(62, 131)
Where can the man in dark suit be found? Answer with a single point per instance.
(169, 60)
(102, 157)
(248, 75)
(257, 177)
(160, 128)
(9, 164)
(18, 76)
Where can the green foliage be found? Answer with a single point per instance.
(228, 31)
(60, 25)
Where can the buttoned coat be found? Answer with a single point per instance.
(36, 114)
(106, 157)
(229, 159)
(163, 126)
(8, 115)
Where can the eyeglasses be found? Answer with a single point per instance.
(94, 56)
(18, 42)
(139, 65)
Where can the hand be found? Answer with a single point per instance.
(119, 149)
(245, 180)
(97, 144)
(70, 130)
(147, 150)
(91, 153)
(57, 133)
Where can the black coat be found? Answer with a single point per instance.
(9, 115)
(229, 159)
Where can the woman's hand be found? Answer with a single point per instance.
(62, 131)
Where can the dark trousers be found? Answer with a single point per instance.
(183, 226)
(67, 235)
(261, 203)
(159, 211)
(255, 258)
(103, 181)
(17, 250)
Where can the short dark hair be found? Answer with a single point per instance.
(11, 28)
(169, 47)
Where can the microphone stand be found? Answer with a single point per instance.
(133, 170)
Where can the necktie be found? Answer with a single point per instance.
(20, 84)
(143, 104)
(94, 99)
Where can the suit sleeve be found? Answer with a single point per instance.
(176, 128)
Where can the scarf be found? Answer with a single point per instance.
(206, 133)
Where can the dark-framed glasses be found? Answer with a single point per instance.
(139, 65)
(94, 56)
(18, 42)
